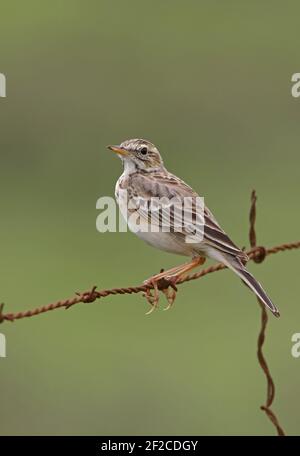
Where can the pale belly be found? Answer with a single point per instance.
(166, 242)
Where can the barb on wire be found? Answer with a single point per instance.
(264, 321)
(93, 295)
(256, 254)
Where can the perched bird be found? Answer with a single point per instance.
(144, 178)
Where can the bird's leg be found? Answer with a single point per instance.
(171, 275)
(173, 279)
(170, 272)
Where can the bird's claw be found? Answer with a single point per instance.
(167, 285)
(152, 299)
(170, 294)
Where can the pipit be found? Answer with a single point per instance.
(144, 179)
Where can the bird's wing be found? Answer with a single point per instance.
(159, 185)
(216, 237)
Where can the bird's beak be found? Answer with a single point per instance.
(119, 150)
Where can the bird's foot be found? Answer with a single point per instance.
(166, 281)
(170, 294)
(166, 284)
(152, 299)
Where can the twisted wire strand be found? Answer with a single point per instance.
(264, 316)
(93, 294)
(256, 254)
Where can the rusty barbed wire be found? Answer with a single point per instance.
(256, 254)
(264, 321)
(94, 294)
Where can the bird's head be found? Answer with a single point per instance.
(139, 153)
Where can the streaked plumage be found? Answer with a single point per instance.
(145, 177)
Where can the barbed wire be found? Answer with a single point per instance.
(93, 294)
(256, 254)
(264, 321)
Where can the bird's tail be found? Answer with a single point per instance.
(237, 266)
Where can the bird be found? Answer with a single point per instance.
(145, 178)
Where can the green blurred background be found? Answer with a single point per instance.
(209, 83)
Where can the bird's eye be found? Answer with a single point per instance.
(143, 150)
